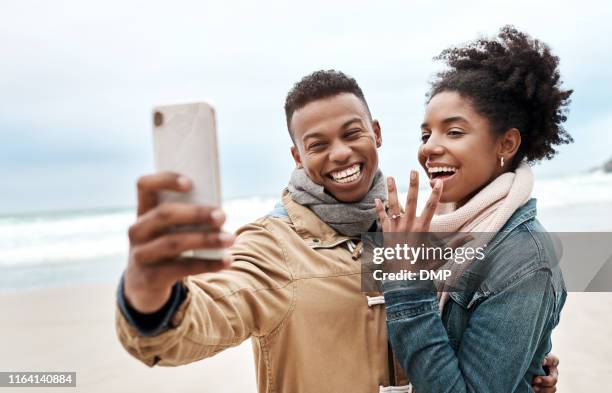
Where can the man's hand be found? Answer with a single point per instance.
(155, 264)
(547, 383)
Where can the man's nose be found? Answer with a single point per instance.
(340, 152)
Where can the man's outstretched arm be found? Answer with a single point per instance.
(219, 309)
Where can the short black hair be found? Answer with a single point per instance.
(319, 85)
(513, 80)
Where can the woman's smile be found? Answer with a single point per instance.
(443, 172)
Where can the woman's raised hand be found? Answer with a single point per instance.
(394, 220)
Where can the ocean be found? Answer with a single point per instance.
(78, 247)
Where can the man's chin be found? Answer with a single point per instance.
(350, 199)
(347, 196)
(351, 192)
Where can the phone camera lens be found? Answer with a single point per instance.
(158, 119)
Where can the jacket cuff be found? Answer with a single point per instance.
(406, 303)
(152, 324)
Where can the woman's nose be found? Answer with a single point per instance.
(432, 148)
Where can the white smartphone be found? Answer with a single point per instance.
(185, 141)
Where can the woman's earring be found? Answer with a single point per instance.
(501, 161)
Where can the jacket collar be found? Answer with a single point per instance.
(523, 214)
(318, 234)
(308, 225)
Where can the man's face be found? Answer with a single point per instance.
(335, 143)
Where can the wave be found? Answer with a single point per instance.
(82, 237)
(88, 236)
(574, 190)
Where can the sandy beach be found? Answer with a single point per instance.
(71, 329)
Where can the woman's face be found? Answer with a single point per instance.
(458, 147)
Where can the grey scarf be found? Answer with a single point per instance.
(349, 219)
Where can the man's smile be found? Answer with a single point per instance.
(347, 175)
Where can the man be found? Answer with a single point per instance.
(292, 281)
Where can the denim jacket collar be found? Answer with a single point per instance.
(523, 214)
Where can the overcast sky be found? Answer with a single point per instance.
(78, 80)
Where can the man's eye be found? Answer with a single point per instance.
(455, 132)
(352, 134)
(315, 146)
(424, 137)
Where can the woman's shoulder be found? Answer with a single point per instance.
(519, 254)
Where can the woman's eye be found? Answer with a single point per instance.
(455, 132)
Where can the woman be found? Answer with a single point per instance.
(497, 108)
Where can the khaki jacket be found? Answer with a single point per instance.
(295, 290)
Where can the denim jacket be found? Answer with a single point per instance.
(492, 338)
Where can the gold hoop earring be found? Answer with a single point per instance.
(501, 161)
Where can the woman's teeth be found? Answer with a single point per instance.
(347, 175)
(441, 170)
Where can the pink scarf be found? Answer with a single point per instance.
(485, 212)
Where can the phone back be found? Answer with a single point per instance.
(185, 141)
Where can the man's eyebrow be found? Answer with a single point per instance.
(350, 121)
(319, 134)
(312, 135)
(451, 119)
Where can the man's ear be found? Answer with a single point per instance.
(296, 156)
(377, 133)
(509, 143)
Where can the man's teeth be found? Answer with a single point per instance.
(442, 169)
(348, 175)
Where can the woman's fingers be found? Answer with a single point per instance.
(430, 207)
(150, 185)
(168, 215)
(380, 211)
(413, 194)
(394, 206)
(409, 222)
(172, 245)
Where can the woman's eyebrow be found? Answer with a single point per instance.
(454, 119)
